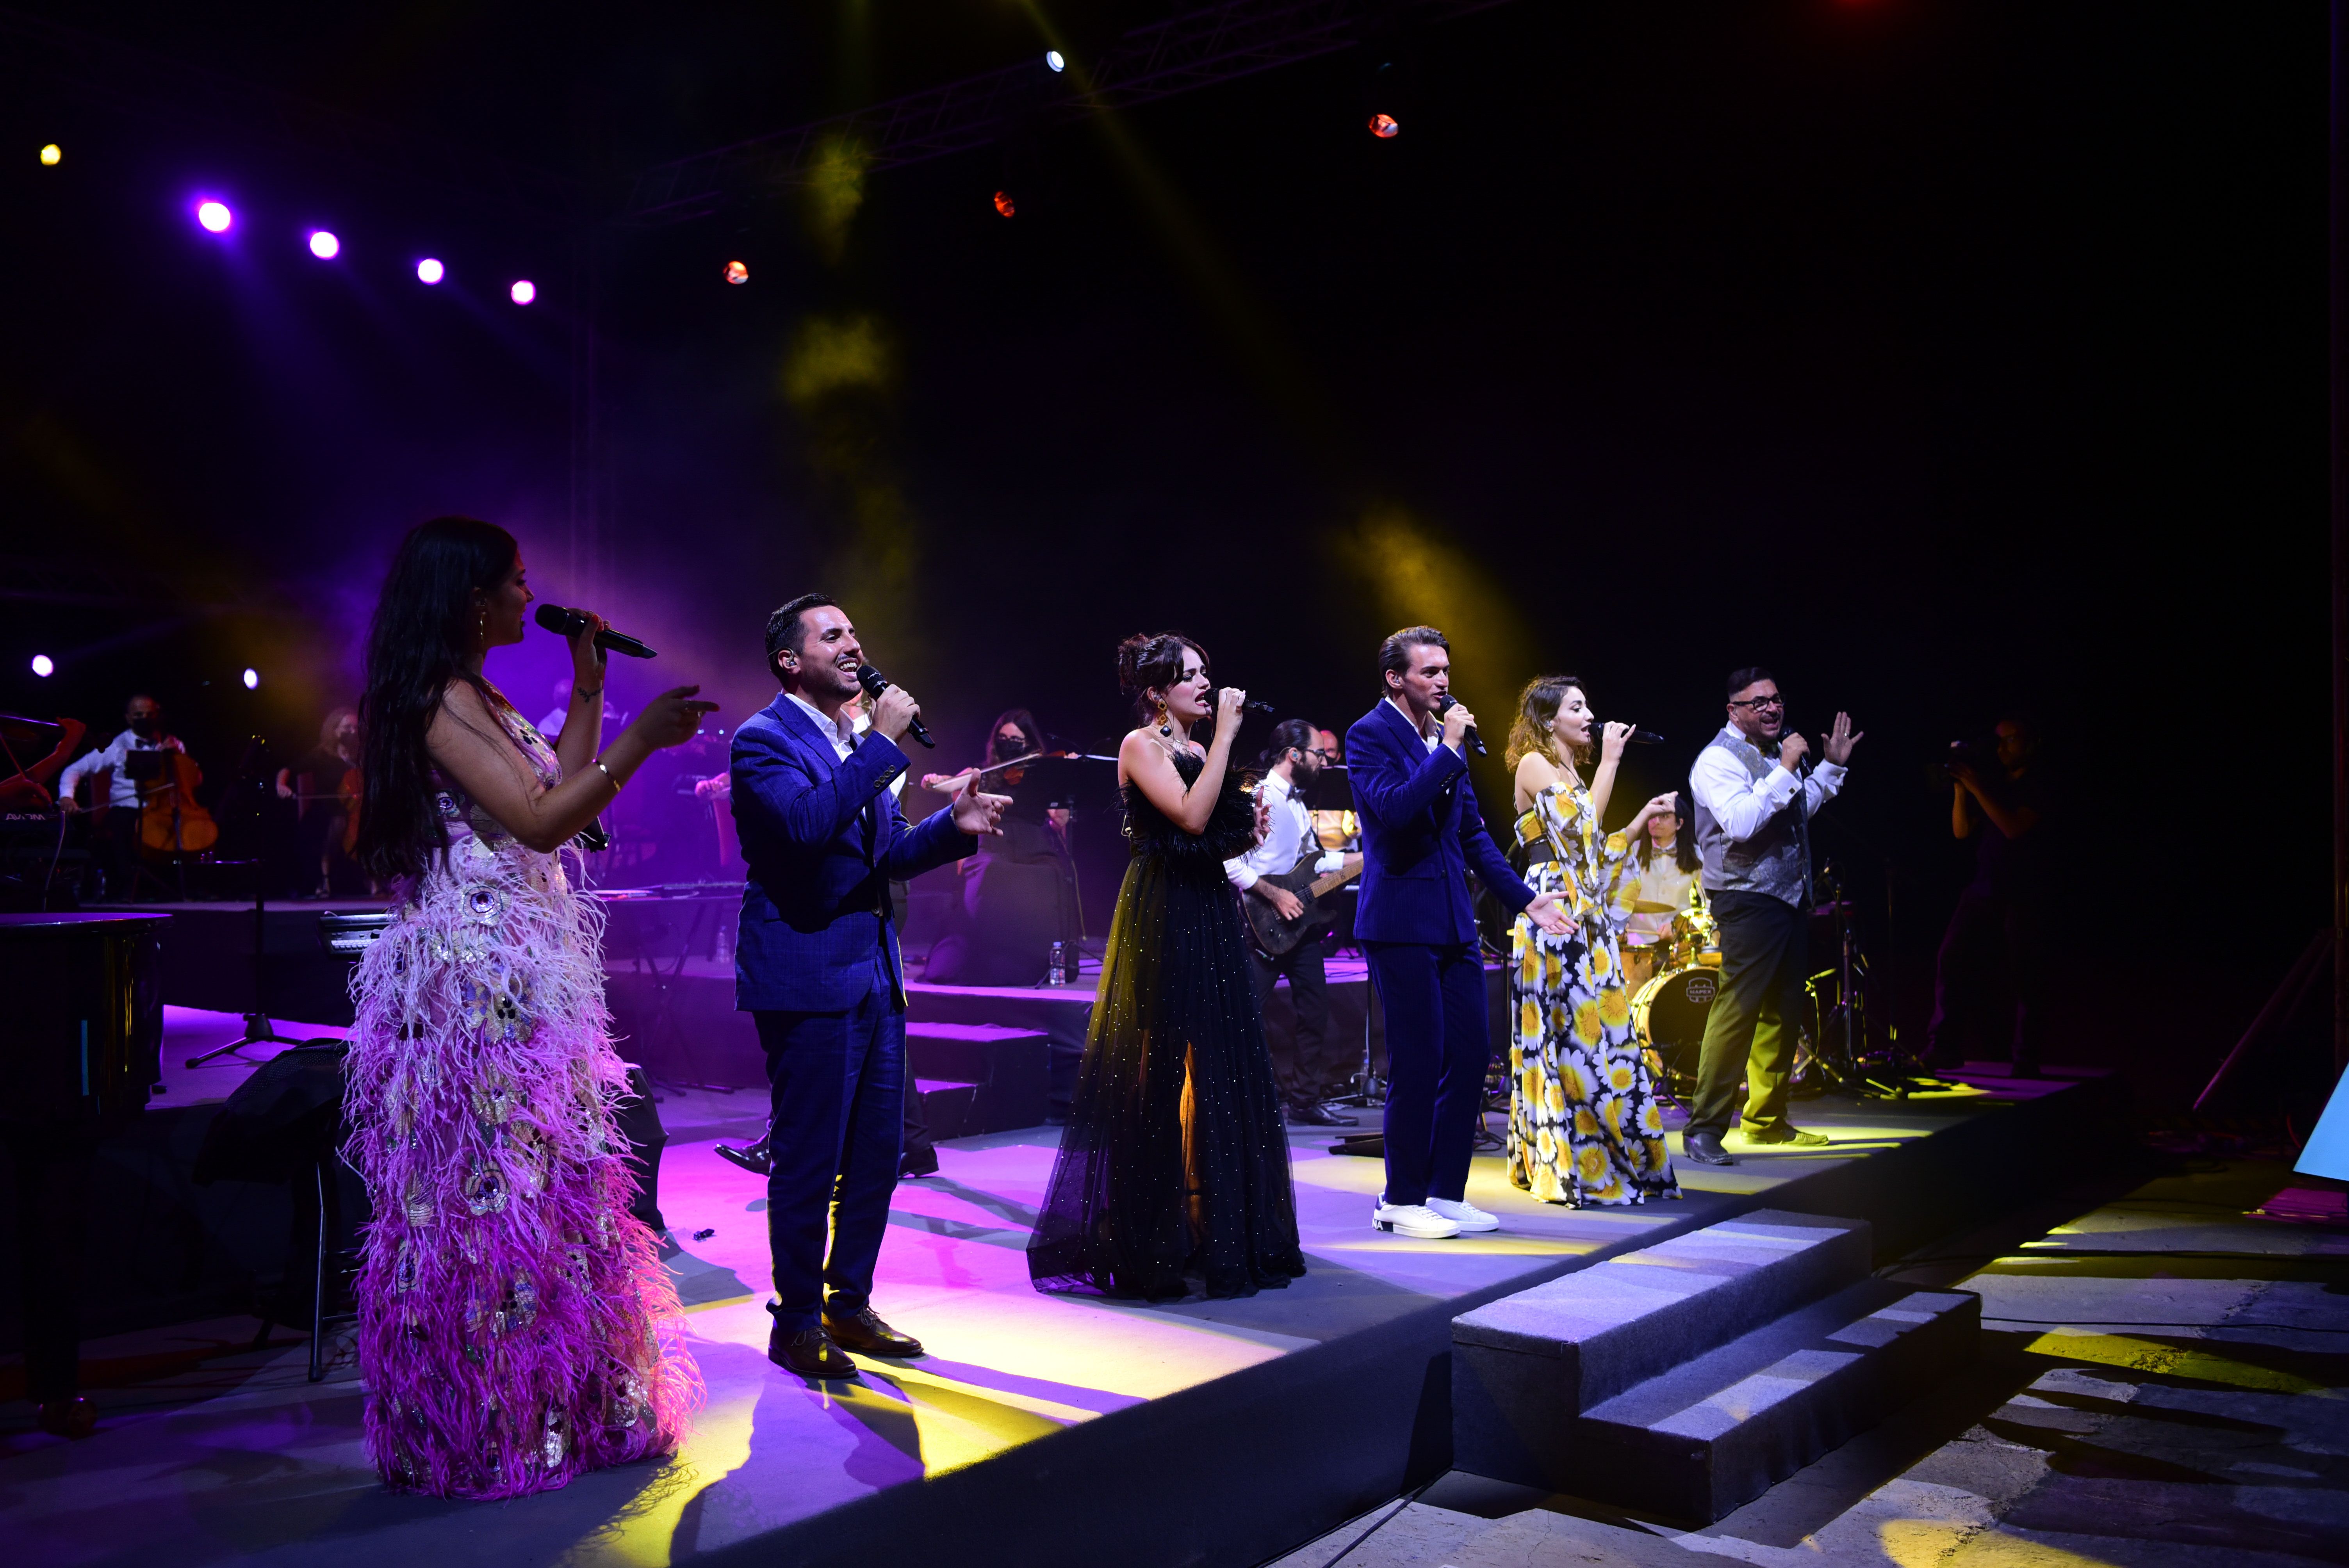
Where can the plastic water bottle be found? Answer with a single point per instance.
(1058, 974)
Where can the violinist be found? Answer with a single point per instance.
(115, 833)
(1019, 892)
(324, 787)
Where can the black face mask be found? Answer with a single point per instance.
(143, 727)
(1013, 746)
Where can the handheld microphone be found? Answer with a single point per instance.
(874, 682)
(1643, 738)
(565, 622)
(1473, 742)
(1252, 705)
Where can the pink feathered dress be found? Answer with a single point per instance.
(515, 1326)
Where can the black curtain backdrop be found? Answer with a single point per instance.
(1943, 357)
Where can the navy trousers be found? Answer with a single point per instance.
(839, 1085)
(1439, 1040)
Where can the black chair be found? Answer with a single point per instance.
(285, 1124)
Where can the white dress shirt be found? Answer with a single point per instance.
(1751, 831)
(841, 736)
(1430, 734)
(1741, 803)
(1288, 833)
(121, 789)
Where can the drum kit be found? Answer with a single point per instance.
(1676, 979)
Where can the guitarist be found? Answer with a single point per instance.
(1313, 1068)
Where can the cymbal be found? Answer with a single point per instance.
(1645, 907)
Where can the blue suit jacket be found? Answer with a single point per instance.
(823, 839)
(1421, 834)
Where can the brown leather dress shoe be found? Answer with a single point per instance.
(810, 1353)
(866, 1334)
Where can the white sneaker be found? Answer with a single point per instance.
(1413, 1220)
(1464, 1215)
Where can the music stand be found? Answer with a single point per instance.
(258, 1029)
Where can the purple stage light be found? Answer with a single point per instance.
(524, 292)
(43, 665)
(253, 680)
(428, 271)
(323, 246)
(214, 216)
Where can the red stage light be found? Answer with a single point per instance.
(736, 273)
(1383, 126)
(1003, 203)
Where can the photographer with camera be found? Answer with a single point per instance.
(1998, 800)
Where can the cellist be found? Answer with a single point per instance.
(117, 826)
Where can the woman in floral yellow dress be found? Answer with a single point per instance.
(1584, 1123)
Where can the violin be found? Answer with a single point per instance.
(170, 819)
(354, 785)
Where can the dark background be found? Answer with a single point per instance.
(1942, 357)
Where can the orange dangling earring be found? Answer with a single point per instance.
(1166, 726)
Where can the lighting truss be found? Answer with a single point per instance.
(1196, 49)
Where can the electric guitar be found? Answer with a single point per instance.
(1278, 936)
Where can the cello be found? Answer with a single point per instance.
(171, 821)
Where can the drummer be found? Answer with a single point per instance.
(1667, 864)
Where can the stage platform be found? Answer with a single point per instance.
(672, 1000)
(1041, 1429)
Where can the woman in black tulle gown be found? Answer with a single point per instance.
(1174, 1167)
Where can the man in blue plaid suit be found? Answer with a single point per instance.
(818, 967)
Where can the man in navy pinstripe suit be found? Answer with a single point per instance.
(818, 967)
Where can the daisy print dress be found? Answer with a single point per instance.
(1584, 1123)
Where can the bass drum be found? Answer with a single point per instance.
(1668, 1017)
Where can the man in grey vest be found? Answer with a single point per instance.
(1753, 808)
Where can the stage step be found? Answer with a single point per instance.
(1587, 1335)
(1690, 1375)
(1703, 1439)
(978, 1077)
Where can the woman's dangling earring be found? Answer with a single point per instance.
(1166, 726)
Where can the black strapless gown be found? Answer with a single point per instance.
(1174, 1162)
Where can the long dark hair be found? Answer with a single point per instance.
(1020, 719)
(1685, 853)
(416, 645)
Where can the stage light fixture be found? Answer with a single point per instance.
(214, 216)
(1003, 203)
(52, 155)
(251, 680)
(43, 665)
(1383, 126)
(428, 271)
(736, 273)
(1053, 59)
(323, 246)
(524, 292)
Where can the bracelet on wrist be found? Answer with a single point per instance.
(577, 693)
